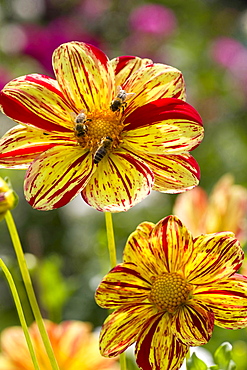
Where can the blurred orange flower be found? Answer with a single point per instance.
(112, 130)
(225, 209)
(75, 348)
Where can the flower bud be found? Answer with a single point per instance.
(8, 198)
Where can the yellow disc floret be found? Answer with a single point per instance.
(99, 125)
(169, 291)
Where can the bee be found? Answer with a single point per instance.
(103, 149)
(80, 126)
(120, 100)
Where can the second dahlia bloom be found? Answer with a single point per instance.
(75, 348)
(76, 136)
(170, 291)
(225, 209)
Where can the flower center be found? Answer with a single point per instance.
(98, 126)
(169, 291)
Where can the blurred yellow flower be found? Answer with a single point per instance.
(112, 130)
(8, 198)
(75, 348)
(169, 292)
(225, 209)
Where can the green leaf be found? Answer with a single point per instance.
(195, 363)
(223, 357)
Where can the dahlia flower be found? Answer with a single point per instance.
(72, 136)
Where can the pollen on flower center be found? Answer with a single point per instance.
(169, 291)
(97, 126)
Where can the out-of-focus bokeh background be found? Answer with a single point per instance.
(66, 248)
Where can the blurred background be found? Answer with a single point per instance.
(66, 249)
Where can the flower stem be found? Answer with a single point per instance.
(123, 361)
(113, 261)
(110, 239)
(29, 288)
(187, 358)
(20, 312)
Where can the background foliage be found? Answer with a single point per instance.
(206, 40)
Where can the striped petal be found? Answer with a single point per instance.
(171, 244)
(227, 299)
(38, 101)
(139, 251)
(124, 66)
(57, 176)
(21, 145)
(157, 348)
(215, 257)
(84, 75)
(173, 173)
(155, 81)
(122, 327)
(165, 126)
(120, 182)
(193, 324)
(122, 285)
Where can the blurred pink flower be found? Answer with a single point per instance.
(43, 40)
(94, 9)
(153, 18)
(5, 76)
(224, 210)
(232, 55)
(229, 53)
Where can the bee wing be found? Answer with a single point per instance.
(73, 115)
(118, 89)
(129, 95)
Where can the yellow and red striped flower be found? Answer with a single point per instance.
(75, 348)
(148, 139)
(169, 292)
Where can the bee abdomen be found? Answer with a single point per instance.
(101, 152)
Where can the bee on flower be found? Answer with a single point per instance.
(151, 129)
(170, 291)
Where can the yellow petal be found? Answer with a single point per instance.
(122, 327)
(37, 100)
(193, 324)
(166, 126)
(172, 244)
(120, 182)
(157, 347)
(227, 299)
(173, 173)
(138, 251)
(155, 81)
(123, 285)
(215, 257)
(84, 75)
(57, 176)
(124, 66)
(21, 145)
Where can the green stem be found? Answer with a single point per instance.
(123, 361)
(110, 239)
(20, 312)
(29, 288)
(187, 358)
(113, 261)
